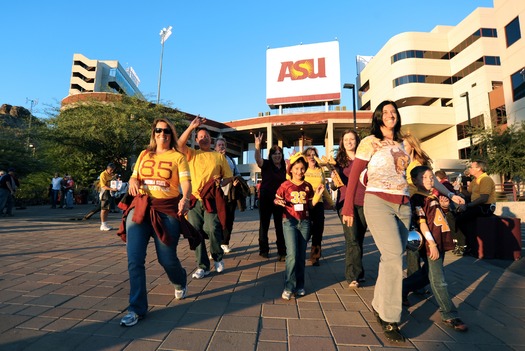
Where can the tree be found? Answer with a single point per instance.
(503, 148)
(87, 136)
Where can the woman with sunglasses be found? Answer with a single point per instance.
(155, 211)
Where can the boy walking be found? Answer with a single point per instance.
(431, 222)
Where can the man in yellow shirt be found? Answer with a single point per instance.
(105, 188)
(205, 164)
(481, 199)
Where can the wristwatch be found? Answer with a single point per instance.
(450, 195)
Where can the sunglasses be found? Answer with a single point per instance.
(165, 130)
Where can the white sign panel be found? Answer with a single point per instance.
(303, 74)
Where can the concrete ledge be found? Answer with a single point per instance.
(510, 209)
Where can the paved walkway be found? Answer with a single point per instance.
(63, 286)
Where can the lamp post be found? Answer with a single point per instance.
(352, 86)
(34, 102)
(164, 35)
(465, 95)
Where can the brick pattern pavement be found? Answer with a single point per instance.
(64, 286)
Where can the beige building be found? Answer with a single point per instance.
(439, 78)
(105, 76)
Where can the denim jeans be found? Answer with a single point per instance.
(210, 224)
(54, 198)
(137, 239)
(354, 237)
(296, 236)
(389, 223)
(69, 199)
(432, 272)
(4, 198)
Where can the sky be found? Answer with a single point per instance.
(214, 62)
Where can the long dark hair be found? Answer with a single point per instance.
(377, 122)
(272, 151)
(342, 158)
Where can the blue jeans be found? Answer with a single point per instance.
(138, 236)
(432, 272)
(210, 224)
(354, 237)
(69, 199)
(54, 198)
(4, 198)
(388, 222)
(296, 236)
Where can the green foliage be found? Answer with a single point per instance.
(503, 149)
(34, 189)
(85, 138)
(15, 152)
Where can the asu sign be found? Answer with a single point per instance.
(303, 74)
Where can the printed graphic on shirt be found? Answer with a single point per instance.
(296, 198)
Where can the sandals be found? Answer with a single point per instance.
(456, 324)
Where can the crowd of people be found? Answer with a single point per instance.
(383, 183)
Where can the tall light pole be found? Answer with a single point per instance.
(34, 102)
(164, 35)
(465, 95)
(352, 86)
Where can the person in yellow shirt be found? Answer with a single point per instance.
(105, 198)
(161, 187)
(205, 164)
(315, 175)
(481, 199)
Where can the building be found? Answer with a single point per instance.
(443, 81)
(107, 76)
(472, 73)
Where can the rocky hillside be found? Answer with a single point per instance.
(14, 116)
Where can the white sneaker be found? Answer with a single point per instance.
(200, 273)
(300, 292)
(219, 266)
(130, 319)
(225, 248)
(105, 228)
(286, 295)
(180, 294)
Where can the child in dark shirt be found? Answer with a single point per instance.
(430, 220)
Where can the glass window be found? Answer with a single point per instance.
(489, 32)
(518, 84)
(512, 31)
(492, 60)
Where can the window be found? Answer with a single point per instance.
(492, 60)
(464, 153)
(512, 31)
(518, 84)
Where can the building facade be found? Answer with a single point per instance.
(107, 76)
(453, 76)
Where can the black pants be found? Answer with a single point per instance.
(230, 218)
(466, 221)
(266, 210)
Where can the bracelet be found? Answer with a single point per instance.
(432, 245)
(450, 195)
